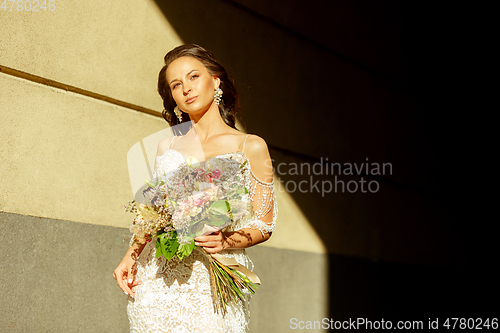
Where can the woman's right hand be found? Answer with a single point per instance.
(124, 275)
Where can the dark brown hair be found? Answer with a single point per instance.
(229, 105)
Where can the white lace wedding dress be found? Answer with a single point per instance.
(175, 296)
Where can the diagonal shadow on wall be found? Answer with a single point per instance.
(341, 80)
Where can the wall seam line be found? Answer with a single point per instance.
(83, 92)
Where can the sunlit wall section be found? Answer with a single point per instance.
(69, 149)
(77, 90)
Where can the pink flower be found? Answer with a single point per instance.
(198, 198)
(204, 197)
(216, 173)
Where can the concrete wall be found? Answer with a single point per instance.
(345, 81)
(78, 90)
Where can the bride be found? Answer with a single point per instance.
(175, 296)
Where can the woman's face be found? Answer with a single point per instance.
(191, 84)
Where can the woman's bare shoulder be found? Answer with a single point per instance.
(255, 145)
(163, 146)
(257, 153)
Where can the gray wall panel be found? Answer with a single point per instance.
(57, 276)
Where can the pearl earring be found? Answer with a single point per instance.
(218, 96)
(178, 113)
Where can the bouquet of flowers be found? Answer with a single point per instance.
(193, 201)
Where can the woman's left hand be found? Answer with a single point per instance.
(213, 243)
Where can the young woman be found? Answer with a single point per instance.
(175, 296)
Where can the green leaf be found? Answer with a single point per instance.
(151, 184)
(170, 250)
(196, 228)
(158, 248)
(184, 250)
(218, 220)
(220, 207)
(169, 246)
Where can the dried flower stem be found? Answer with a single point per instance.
(227, 285)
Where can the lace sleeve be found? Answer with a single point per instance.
(265, 209)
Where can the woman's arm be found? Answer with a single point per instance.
(260, 161)
(124, 274)
(240, 239)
